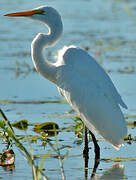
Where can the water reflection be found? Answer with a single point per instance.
(107, 32)
(116, 171)
(9, 168)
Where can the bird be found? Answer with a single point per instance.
(80, 79)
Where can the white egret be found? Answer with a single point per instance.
(80, 79)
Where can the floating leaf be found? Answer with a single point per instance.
(22, 124)
(119, 159)
(133, 123)
(47, 128)
(130, 116)
(128, 137)
(7, 158)
(34, 138)
(78, 141)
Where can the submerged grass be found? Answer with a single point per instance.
(12, 138)
(32, 102)
(119, 159)
(56, 149)
(7, 128)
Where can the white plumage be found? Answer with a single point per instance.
(80, 79)
(91, 93)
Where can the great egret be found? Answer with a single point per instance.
(80, 79)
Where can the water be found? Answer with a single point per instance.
(107, 29)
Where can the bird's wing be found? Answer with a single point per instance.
(90, 100)
(87, 67)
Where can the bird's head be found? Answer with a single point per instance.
(48, 16)
(45, 14)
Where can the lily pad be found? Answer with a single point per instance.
(48, 128)
(22, 124)
(128, 137)
(133, 123)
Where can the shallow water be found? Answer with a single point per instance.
(107, 29)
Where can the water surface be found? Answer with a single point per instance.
(107, 29)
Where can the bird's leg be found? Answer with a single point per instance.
(96, 147)
(85, 154)
(96, 163)
(86, 149)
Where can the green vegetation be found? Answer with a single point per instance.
(22, 124)
(45, 130)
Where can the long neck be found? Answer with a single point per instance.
(41, 41)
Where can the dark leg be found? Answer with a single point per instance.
(97, 154)
(96, 147)
(86, 149)
(85, 154)
(96, 163)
